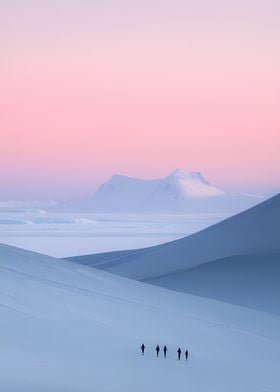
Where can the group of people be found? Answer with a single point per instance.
(179, 351)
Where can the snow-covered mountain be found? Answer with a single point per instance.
(69, 328)
(179, 192)
(184, 185)
(238, 260)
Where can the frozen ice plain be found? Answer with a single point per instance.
(69, 234)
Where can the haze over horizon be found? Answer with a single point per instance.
(81, 193)
(90, 89)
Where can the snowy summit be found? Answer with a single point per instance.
(179, 192)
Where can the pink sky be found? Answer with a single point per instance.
(91, 88)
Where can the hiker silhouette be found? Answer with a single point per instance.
(143, 348)
(164, 351)
(186, 354)
(179, 353)
(157, 350)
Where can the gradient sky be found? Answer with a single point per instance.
(91, 88)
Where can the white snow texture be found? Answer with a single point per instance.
(68, 327)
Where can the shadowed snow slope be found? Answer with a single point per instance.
(251, 280)
(179, 192)
(254, 232)
(66, 327)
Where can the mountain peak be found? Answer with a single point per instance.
(193, 175)
(180, 191)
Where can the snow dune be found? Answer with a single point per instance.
(250, 280)
(67, 327)
(245, 247)
(255, 231)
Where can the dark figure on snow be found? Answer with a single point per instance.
(142, 349)
(164, 351)
(157, 349)
(186, 354)
(179, 353)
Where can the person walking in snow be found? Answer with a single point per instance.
(142, 348)
(164, 351)
(157, 350)
(179, 353)
(186, 354)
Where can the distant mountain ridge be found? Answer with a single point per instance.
(179, 192)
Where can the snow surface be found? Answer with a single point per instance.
(186, 185)
(250, 280)
(253, 236)
(255, 231)
(179, 192)
(70, 234)
(66, 327)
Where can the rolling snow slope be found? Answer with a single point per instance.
(254, 233)
(179, 192)
(250, 280)
(65, 327)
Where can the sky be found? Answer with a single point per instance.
(93, 88)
